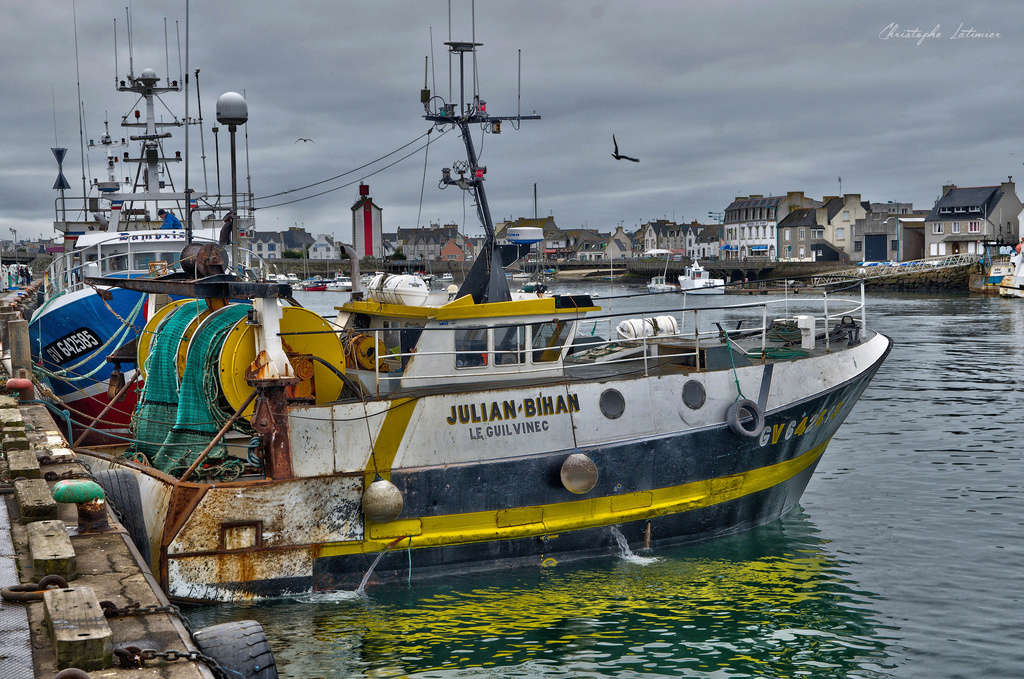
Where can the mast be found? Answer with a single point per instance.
(486, 279)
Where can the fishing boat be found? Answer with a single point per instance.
(315, 284)
(82, 336)
(1011, 283)
(340, 284)
(696, 280)
(658, 283)
(403, 441)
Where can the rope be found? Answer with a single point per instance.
(732, 362)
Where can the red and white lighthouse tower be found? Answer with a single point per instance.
(366, 225)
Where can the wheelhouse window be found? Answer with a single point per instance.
(142, 259)
(117, 263)
(548, 339)
(509, 344)
(471, 348)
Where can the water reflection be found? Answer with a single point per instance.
(771, 602)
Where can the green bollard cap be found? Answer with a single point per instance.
(77, 491)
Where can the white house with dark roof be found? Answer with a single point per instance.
(323, 248)
(966, 219)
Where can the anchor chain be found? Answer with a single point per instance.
(133, 656)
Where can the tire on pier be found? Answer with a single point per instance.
(239, 647)
(122, 491)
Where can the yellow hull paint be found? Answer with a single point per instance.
(522, 522)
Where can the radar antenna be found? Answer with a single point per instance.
(486, 279)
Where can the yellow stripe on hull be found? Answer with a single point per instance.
(522, 522)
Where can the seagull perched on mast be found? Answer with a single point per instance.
(304, 139)
(617, 156)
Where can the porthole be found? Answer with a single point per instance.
(694, 394)
(612, 404)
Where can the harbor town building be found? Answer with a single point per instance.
(750, 223)
(967, 218)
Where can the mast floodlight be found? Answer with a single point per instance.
(232, 109)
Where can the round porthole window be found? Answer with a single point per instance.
(694, 394)
(612, 404)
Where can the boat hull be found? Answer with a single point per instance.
(239, 540)
(71, 336)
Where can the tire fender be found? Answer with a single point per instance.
(122, 491)
(239, 647)
(745, 418)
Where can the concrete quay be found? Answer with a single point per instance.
(66, 627)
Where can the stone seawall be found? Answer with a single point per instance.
(953, 279)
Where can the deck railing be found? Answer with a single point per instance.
(639, 351)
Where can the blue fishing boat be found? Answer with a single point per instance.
(83, 336)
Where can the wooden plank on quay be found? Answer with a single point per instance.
(51, 550)
(34, 500)
(81, 636)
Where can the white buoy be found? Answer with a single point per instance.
(579, 474)
(382, 501)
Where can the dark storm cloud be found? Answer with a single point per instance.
(717, 100)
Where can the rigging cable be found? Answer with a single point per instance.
(423, 183)
(339, 176)
(355, 181)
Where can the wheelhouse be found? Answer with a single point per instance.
(398, 347)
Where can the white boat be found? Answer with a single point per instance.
(658, 284)
(447, 277)
(340, 284)
(1012, 282)
(696, 280)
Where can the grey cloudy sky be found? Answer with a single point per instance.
(717, 99)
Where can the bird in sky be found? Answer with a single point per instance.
(617, 156)
(304, 139)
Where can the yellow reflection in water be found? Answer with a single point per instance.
(714, 612)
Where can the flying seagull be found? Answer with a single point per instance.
(618, 156)
(303, 139)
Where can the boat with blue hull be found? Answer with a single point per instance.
(409, 438)
(82, 336)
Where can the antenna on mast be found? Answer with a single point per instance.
(486, 280)
(115, 52)
(476, 82)
(131, 54)
(449, 53)
(177, 33)
(433, 75)
(78, 85)
(167, 56)
(519, 80)
(188, 123)
(202, 138)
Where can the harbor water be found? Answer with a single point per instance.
(905, 558)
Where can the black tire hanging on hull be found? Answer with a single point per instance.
(240, 647)
(745, 418)
(122, 491)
